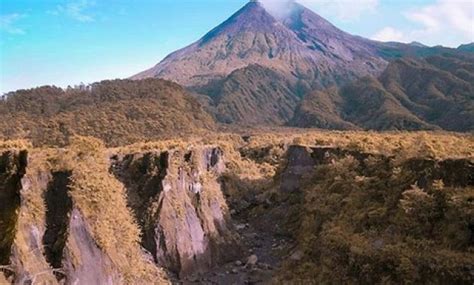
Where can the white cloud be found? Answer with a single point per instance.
(76, 9)
(8, 23)
(345, 10)
(388, 34)
(444, 19)
(445, 22)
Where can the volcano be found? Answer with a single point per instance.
(257, 67)
(300, 45)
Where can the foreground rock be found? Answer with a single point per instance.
(91, 215)
(53, 231)
(180, 206)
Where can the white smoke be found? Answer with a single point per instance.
(278, 8)
(344, 10)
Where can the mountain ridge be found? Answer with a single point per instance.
(411, 94)
(116, 111)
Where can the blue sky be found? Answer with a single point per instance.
(65, 42)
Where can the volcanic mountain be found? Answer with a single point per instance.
(300, 45)
(255, 67)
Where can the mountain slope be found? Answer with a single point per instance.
(290, 55)
(118, 112)
(435, 93)
(301, 46)
(252, 95)
(467, 47)
(255, 67)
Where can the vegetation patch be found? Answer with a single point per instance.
(101, 199)
(371, 223)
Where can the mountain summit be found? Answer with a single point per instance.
(256, 67)
(300, 45)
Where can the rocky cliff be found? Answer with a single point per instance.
(66, 219)
(56, 236)
(259, 209)
(180, 207)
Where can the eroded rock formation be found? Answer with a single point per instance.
(45, 236)
(91, 215)
(301, 161)
(180, 206)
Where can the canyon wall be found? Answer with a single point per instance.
(94, 217)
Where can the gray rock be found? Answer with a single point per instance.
(265, 266)
(240, 227)
(252, 260)
(297, 255)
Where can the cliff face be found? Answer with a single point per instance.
(70, 223)
(180, 207)
(50, 239)
(12, 170)
(50, 236)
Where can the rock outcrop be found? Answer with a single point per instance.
(180, 207)
(301, 161)
(50, 224)
(151, 213)
(46, 237)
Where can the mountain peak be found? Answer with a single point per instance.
(286, 37)
(251, 17)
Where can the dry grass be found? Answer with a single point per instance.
(101, 198)
(370, 224)
(440, 145)
(15, 145)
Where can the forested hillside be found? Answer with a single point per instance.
(118, 112)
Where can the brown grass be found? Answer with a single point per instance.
(101, 198)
